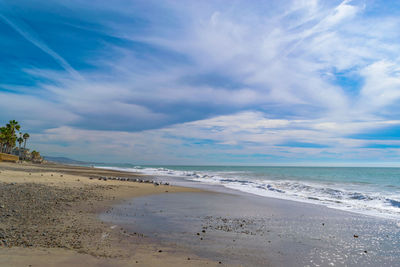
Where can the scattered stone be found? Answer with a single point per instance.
(160, 251)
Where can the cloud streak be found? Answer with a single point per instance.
(24, 30)
(294, 80)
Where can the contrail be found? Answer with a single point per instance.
(29, 35)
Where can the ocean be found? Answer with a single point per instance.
(365, 190)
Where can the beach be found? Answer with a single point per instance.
(63, 215)
(49, 216)
(250, 230)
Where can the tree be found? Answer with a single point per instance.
(3, 138)
(13, 126)
(36, 158)
(26, 137)
(35, 154)
(20, 140)
(11, 137)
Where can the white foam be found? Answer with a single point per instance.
(364, 199)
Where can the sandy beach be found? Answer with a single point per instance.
(49, 216)
(59, 215)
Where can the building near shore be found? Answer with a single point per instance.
(23, 153)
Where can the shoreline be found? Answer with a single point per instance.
(150, 225)
(49, 216)
(338, 194)
(241, 228)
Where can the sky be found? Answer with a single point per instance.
(222, 82)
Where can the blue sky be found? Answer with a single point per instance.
(205, 82)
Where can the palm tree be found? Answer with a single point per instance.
(12, 126)
(26, 137)
(20, 140)
(3, 138)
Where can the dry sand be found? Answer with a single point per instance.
(48, 217)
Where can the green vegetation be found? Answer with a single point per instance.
(35, 155)
(9, 138)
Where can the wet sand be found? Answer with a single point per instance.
(49, 216)
(256, 231)
(56, 215)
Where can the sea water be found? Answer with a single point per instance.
(366, 190)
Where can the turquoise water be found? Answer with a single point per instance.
(372, 191)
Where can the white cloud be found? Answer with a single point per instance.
(245, 133)
(276, 67)
(382, 85)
